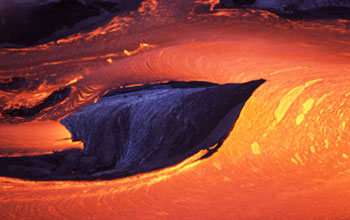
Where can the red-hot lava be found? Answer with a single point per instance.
(286, 158)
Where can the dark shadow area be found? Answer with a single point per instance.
(24, 112)
(30, 25)
(319, 13)
(291, 9)
(31, 167)
(13, 84)
(19, 84)
(140, 129)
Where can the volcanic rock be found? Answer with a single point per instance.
(140, 129)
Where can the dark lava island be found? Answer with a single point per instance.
(139, 129)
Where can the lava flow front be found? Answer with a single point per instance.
(288, 156)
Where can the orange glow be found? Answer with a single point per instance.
(212, 3)
(35, 137)
(142, 47)
(148, 6)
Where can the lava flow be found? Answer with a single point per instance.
(287, 157)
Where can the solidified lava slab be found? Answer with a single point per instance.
(140, 129)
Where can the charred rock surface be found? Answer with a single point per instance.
(140, 129)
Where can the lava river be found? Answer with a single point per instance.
(288, 156)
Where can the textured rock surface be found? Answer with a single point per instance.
(139, 129)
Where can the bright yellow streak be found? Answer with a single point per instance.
(287, 101)
(297, 156)
(306, 108)
(288, 70)
(321, 99)
(310, 83)
(307, 105)
(300, 119)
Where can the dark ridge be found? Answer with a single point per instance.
(235, 3)
(121, 138)
(30, 25)
(53, 99)
(291, 9)
(319, 13)
(190, 84)
(170, 84)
